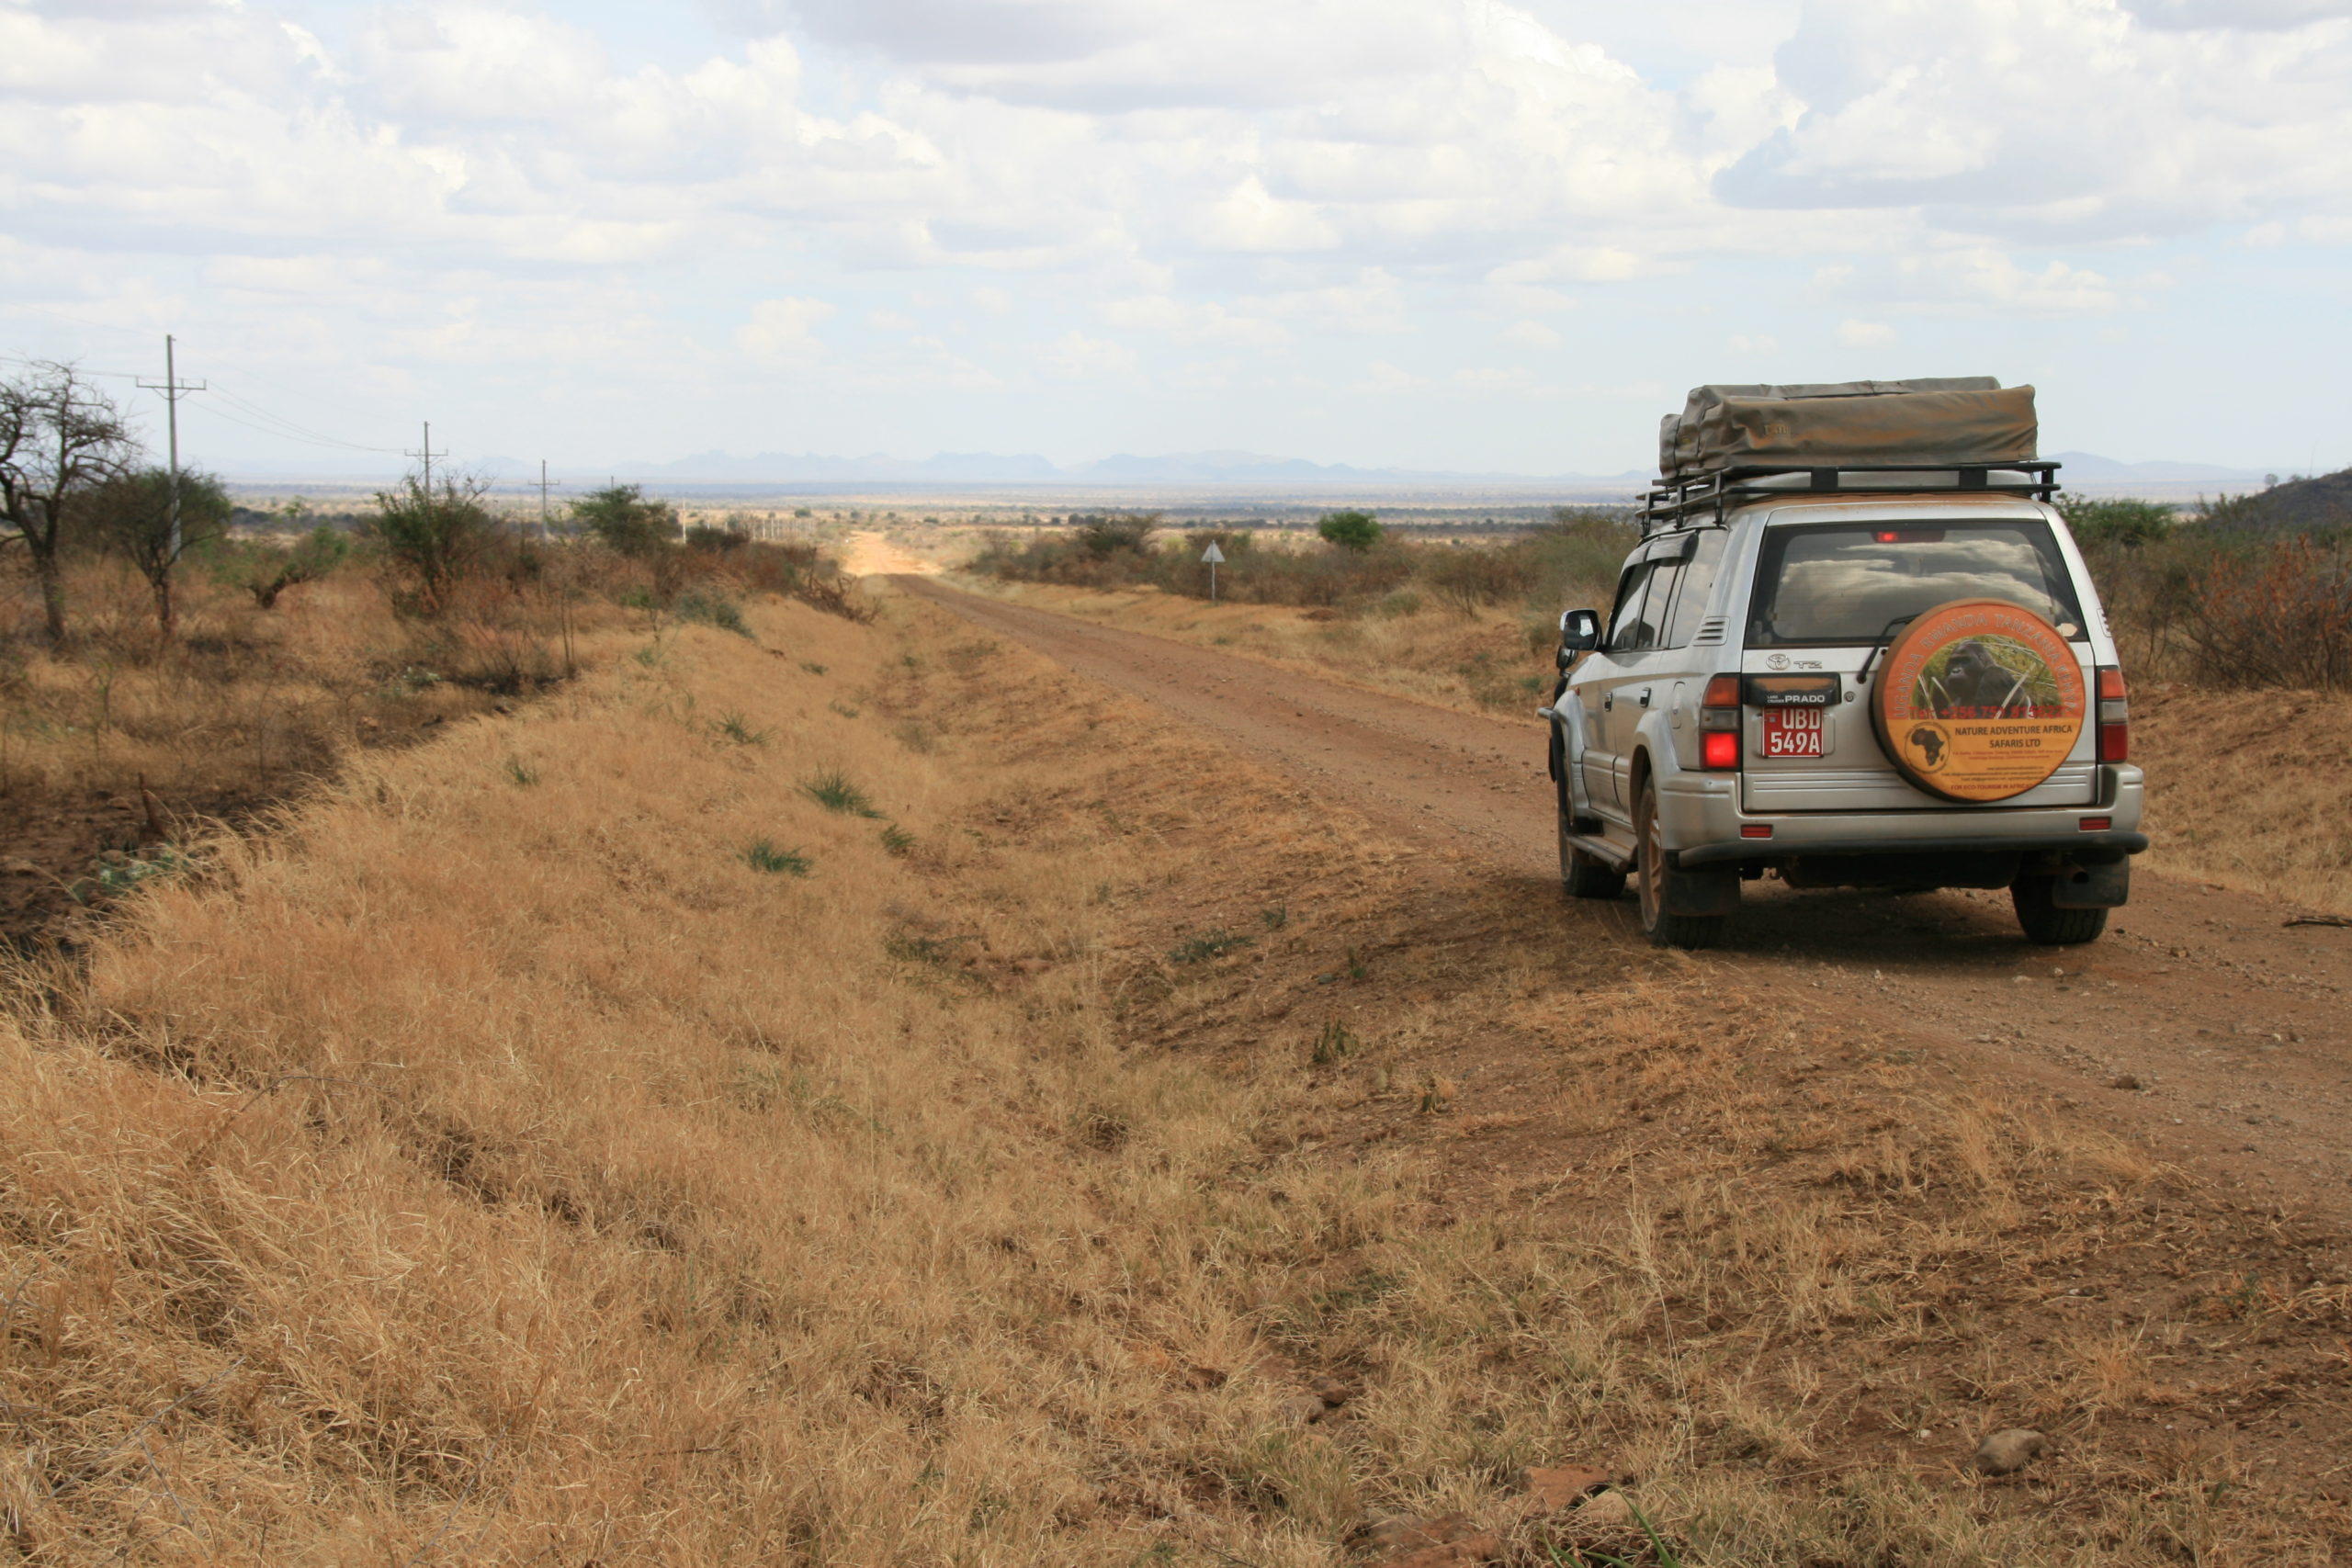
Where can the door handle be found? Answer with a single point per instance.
(1608, 701)
(1645, 696)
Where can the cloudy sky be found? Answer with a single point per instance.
(1457, 234)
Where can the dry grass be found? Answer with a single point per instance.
(2252, 789)
(1480, 661)
(244, 698)
(496, 1167)
(486, 1168)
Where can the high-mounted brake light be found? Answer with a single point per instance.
(1719, 725)
(2114, 717)
(1908, 536)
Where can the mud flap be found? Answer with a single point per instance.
(1706, 892)
(2105, 886)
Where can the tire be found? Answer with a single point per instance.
(1582, 876)
(2044, 922)
(1652, 877)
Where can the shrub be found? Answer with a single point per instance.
(619, 517)
(433, 538)
(2277, 613)
(2120, 521)
(711, 608)
(265, 569)
(1110, 533)
(1357, 531)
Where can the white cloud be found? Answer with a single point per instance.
(782, 329)
(1853, 333)
(1970, 278)
(1078, 357)
(1382, 376)
(1204, 321)
(445, 182)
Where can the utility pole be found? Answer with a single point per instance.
(543, 497)
(427, 455)
(174, 389)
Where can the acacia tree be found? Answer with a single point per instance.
(434, 534)
(131, 512)
(620, 517)
(60, 441)
(1357, 531)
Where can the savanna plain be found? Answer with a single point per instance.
(745, 1068)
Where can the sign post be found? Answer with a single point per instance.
(1212, 556)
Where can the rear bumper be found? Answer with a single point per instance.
(1700, 817)
(2079, 845)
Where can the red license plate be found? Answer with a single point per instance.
(1793, 732)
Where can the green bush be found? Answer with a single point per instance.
(266, 568)
(623, 521)
(1357, 531)
(707, 604)
(2119, 521)
(433, 537)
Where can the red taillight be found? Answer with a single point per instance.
(2098, 824)
(1756, 829)
(2114, 717)
(1719, 723)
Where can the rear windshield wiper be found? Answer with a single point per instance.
(1885, 639)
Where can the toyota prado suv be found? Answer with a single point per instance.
(1845, 670)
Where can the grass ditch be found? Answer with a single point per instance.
(932, 1208)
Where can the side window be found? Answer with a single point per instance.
(1663, 578)
(1698, 585)
(1625, 624)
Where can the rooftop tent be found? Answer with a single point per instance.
(1954, 420)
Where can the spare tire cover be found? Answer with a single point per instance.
(1978, 700)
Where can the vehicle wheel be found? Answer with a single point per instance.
(1582, 876)
(1652, 877)
(1585, 875)
(2044, 922)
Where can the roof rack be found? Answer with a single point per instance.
(1708, 498)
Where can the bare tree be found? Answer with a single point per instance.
(60, 439)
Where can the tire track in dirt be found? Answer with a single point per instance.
(2200, 1021)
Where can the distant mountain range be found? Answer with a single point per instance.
(1126, 470)
(1122, 468)
(2090, 468)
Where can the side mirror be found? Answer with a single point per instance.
(1580, 635)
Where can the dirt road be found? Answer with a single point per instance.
(2202, 1020)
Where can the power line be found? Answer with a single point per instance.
(299, 432)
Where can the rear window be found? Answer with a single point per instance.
(1847, 582)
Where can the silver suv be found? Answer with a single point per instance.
(1768, 697)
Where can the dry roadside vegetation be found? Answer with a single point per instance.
(865, 1097)
(292, 646)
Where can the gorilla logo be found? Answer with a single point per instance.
(1930, 740)
(1973, 685)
